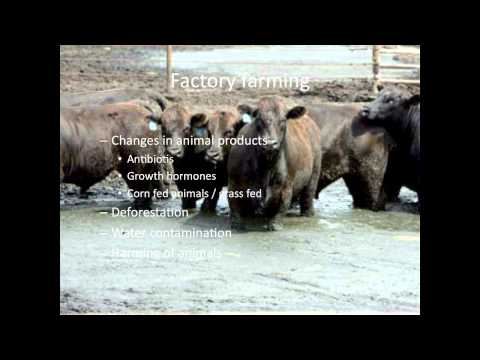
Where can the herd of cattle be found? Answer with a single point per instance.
(375, 149)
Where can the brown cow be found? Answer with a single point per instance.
(152, 100)
(87, 154)
(285, 164)
(354, 151)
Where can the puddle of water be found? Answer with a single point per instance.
(339, 260)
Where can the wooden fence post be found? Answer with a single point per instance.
(169, 67)
(376, 67)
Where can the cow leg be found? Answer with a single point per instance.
(83, 192)
(189, 203)
(274, 224)
(376, 196)
(357, 190)
(306, 201)
(366, 192)
(392, 181)
(322, 184)
(367, 182)
(277, 207)
(236, 222)
(308, 194)
(392, 190)
(167, 168)
(378, 201)
(419, 193)
(209, 204)
(145, 201)
(419, 186)
(142, 203)
(85, 186)
(419, 202)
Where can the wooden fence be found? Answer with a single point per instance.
(377, 51)
(169, 67)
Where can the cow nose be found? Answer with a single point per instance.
(213, 156)
(175, 151)
(365, 111)
(272, 144)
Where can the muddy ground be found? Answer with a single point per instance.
(342, 260)
(96, 68)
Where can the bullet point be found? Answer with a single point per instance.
(119, 193)
(119, 158)
(119, 175)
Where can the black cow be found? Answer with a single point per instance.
(398, 112)
(207, 158)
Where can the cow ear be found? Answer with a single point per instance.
(245, 109)
(296, 112)
(198, 120)
(414, 100)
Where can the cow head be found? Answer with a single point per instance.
(176, 126)
(389, 106)
(222, 125)
(199, 129)
(270, 121)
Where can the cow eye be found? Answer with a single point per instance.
(228, 133)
